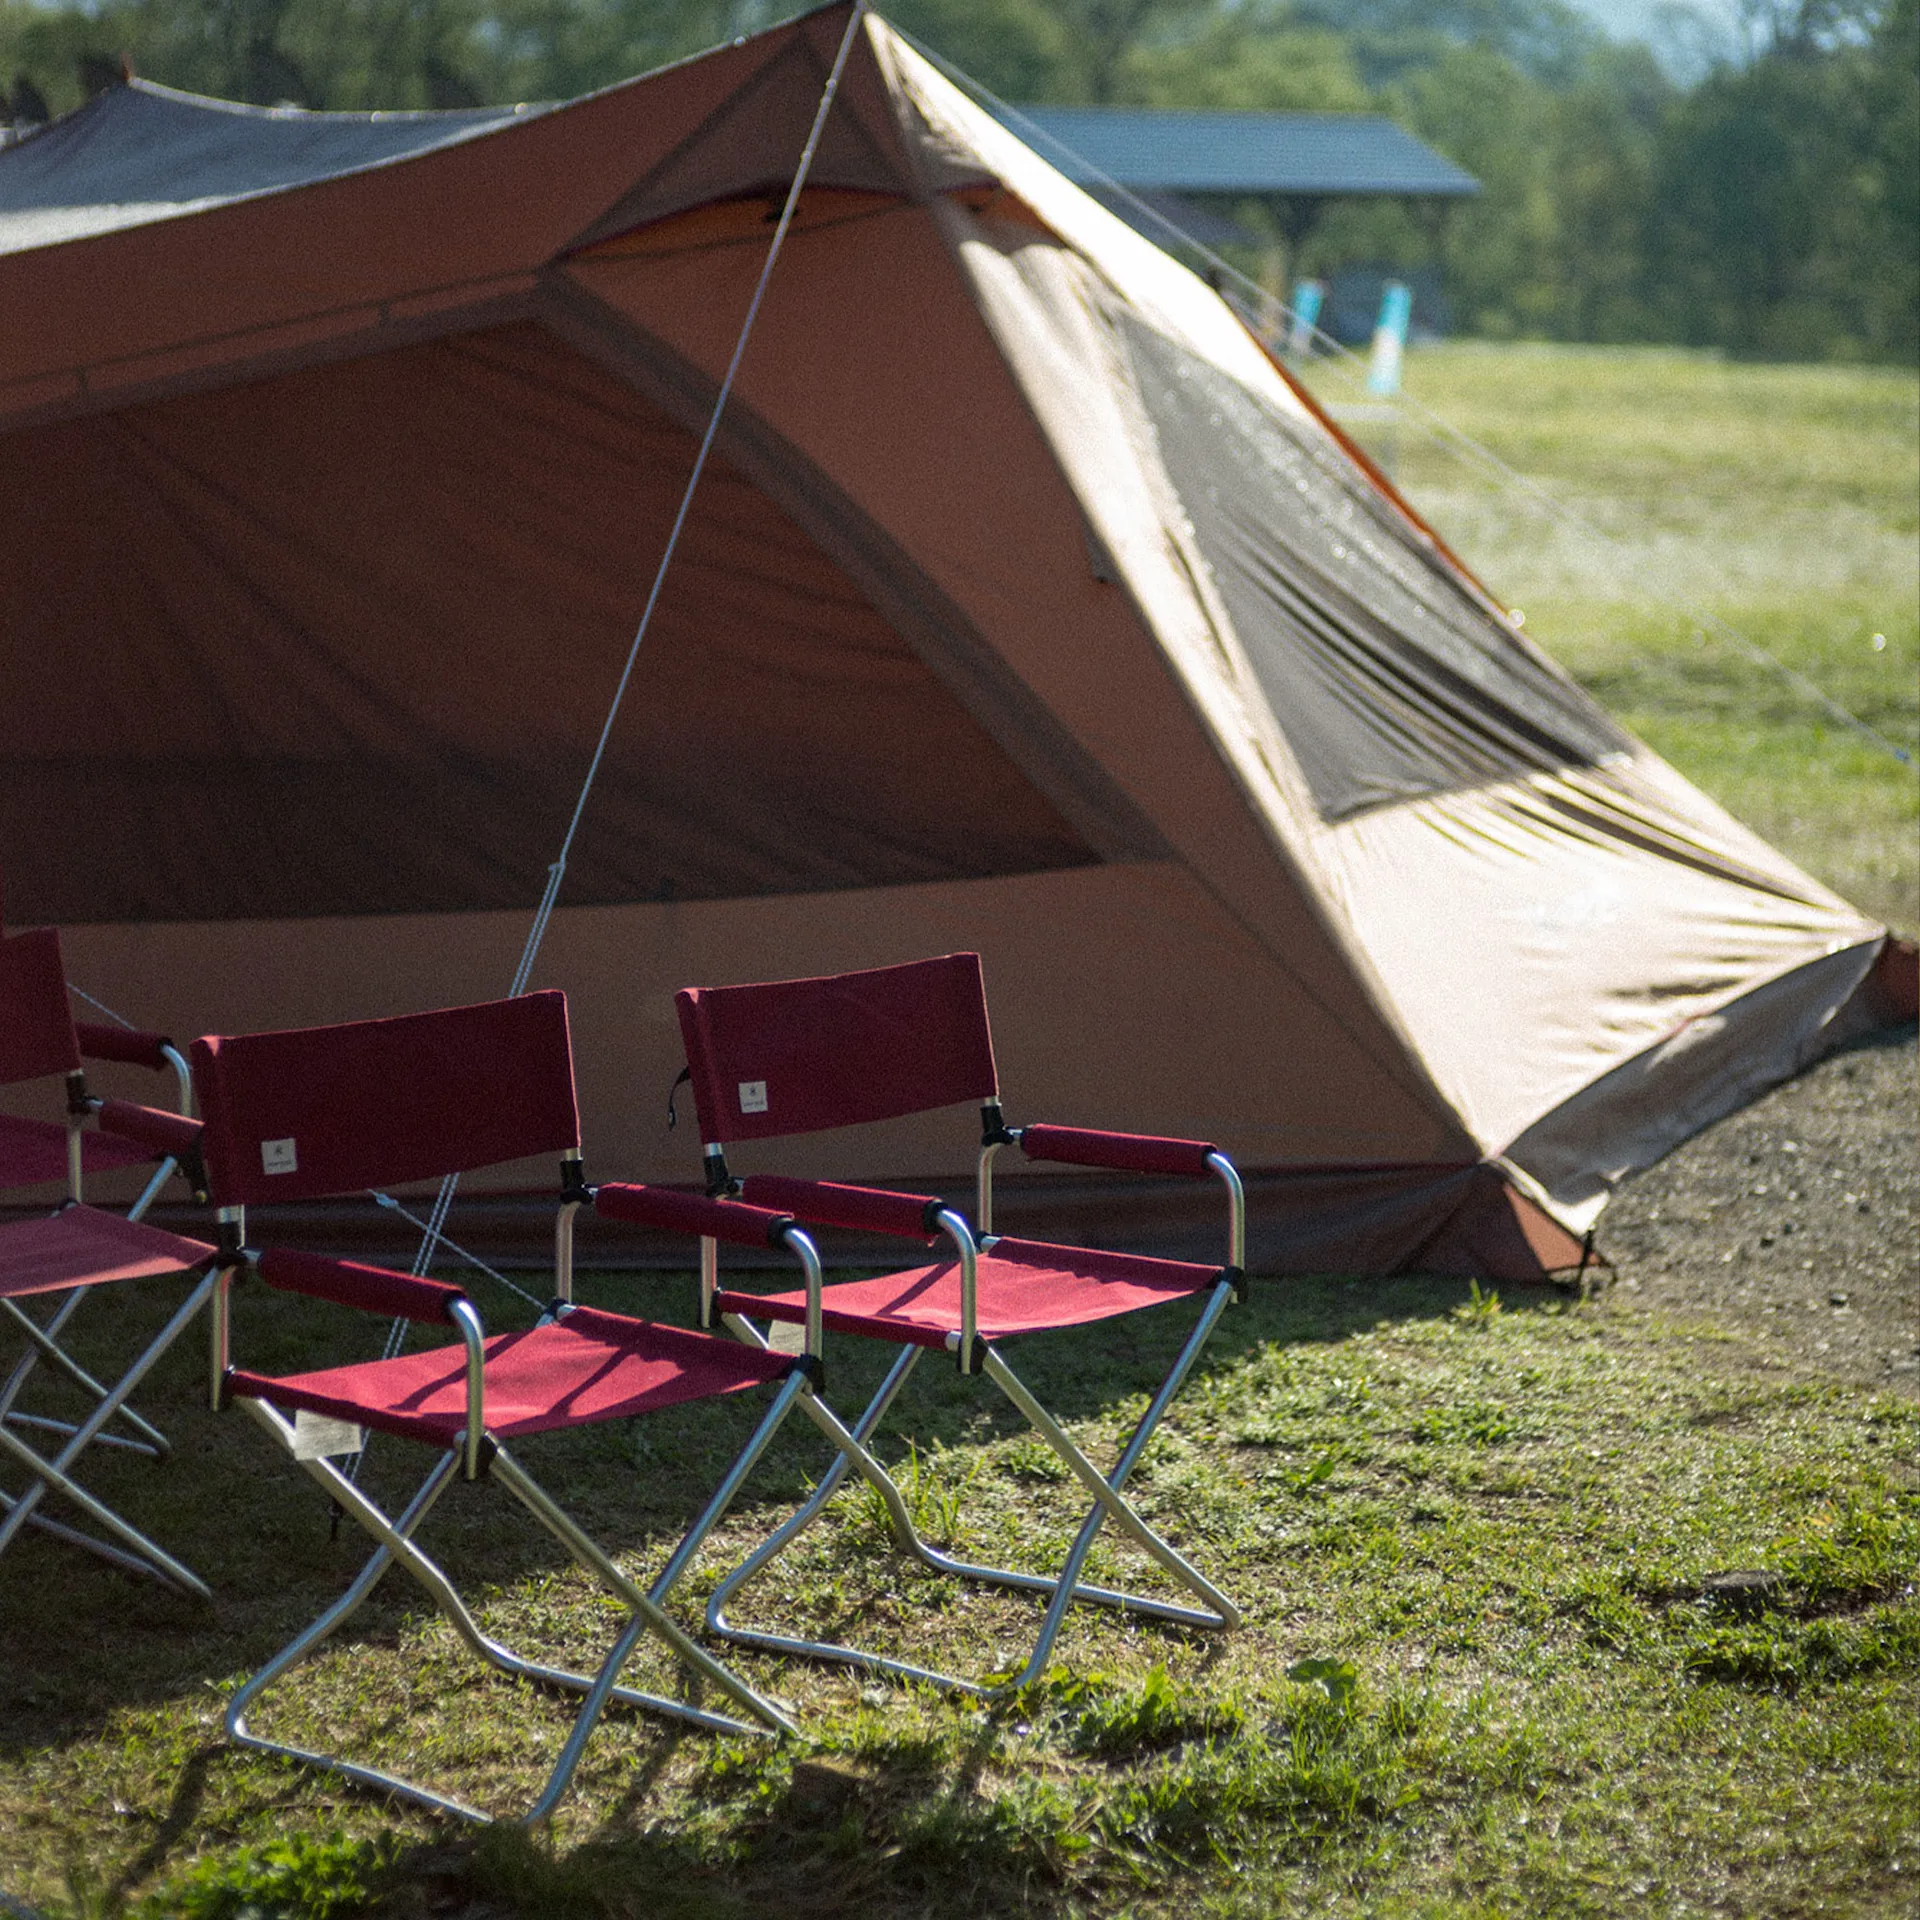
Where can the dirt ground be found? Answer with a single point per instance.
(1794, 1221)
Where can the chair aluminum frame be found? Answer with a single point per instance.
(477, 1455)
(128, 1548)
(42, 1336)
(136, 1553)
(1216, 1610)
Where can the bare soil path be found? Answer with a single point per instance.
(1795, 1221)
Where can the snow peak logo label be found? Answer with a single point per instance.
(753, 1096)
(279, 1156)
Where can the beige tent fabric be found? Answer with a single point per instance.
(1026, 608)
(1609, 946)
(1121, 995)
(1624, 907)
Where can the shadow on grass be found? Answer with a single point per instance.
(85, 1642)
(909, 1832)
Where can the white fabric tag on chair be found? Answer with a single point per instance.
(318, 1435)
(787, 1336)
(279, 1156)
(753, 1096)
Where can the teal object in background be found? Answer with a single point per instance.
(1307, 296)
(1390, 339)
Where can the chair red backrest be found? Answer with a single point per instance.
(36, 1023)
(324, 1110)
(799, 1056)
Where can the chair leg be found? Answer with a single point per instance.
(396, 1546)
(1062, 1589)
(853, 1452)
(53, 1475)
(88, 1543)
(42, 1338)
(314, 1635)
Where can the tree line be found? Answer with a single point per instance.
(1769, 204)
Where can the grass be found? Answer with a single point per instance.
(1487, 1668)
(1782, 502)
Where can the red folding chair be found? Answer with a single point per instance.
(330, 1110)
(799, 1056)
(67, 1255)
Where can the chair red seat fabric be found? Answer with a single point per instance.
(772, 1059)
(1025, 1286)
(81, 1246)
(590, 1366)
(34, 1152)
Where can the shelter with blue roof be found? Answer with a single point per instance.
(1190, 166)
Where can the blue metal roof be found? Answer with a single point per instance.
(1190, 152)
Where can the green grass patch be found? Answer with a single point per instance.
(1493, 1663)
(1780, 502)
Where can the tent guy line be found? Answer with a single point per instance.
(1269, 307)
(1468, 451)
(100, 1006)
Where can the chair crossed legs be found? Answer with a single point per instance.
(340, 1109)
(799, 1056)
(64, 1257)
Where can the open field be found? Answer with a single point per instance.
(1490, 1666)
(1782, 501)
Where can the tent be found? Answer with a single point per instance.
(1027, 606)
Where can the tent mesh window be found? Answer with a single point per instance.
(1388, 678)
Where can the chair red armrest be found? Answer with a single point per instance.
(405, 1296)
(1124, 1152)
(165, 1133)
(137, 1049)
(863, 1209)
(692, 1213)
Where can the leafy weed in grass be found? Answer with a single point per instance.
(1089, 1714)
(933, 1486)
(1475, 1423)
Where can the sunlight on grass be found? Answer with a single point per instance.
(1491, 1662)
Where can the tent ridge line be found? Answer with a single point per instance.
(796, 48)
(606, 225)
